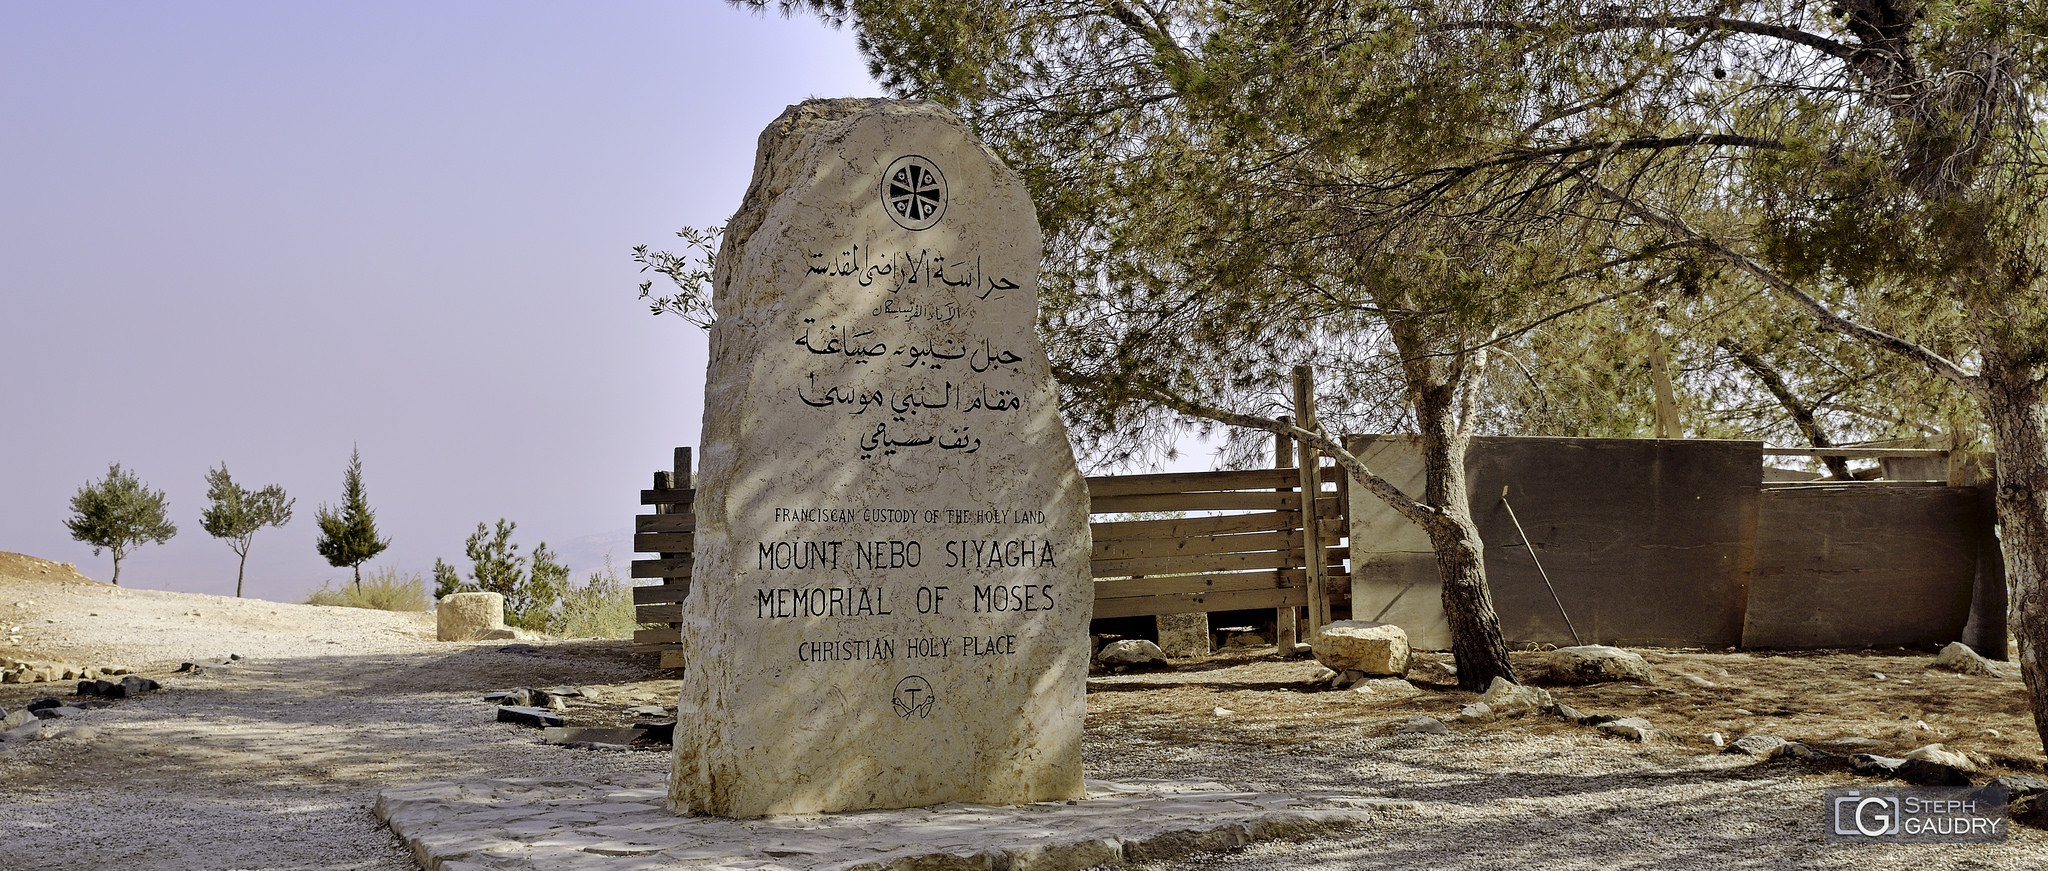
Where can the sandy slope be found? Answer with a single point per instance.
(274, 761)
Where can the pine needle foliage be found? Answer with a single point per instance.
(348, 534)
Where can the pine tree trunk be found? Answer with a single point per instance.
(2015, 412)
(1476, 642)
(239, 571)
(359, 575)
(117, 568)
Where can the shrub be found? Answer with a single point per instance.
(601, 608)
(384, 590)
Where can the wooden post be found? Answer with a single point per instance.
(1310, 463)
(1285, 631)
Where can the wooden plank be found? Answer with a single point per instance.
(1334, 529)
(658, 636)
(1855, 452)
(665, 542)
(665, 522)
(658, 613)
(1329, 508)
(661, 594)
(661, 568)
(668, 497)
(1205, 562)
(1184, 527)
(1188, 604)
(1286, 620)
(1186, 584)
(1198, 544)
(1828, 484)
(1188, 482)
(1222, 501)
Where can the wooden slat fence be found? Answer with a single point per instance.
(1256, 556)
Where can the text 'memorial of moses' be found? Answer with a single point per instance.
(891, 590)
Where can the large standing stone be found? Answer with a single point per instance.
(469, 616)
(1362, 646)
(891, 589)
(1184, 635)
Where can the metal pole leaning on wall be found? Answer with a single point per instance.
(1539, 566)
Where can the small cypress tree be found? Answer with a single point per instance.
(236, 513)
(116, 513)
(348, 536)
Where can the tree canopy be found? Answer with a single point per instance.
(348, 534)
(118, 513)
(234, 514)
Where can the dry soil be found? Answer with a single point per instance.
(273, 760)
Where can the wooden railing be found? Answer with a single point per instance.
(1254, 556)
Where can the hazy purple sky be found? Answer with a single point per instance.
(260, 233)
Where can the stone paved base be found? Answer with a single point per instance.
(619, 823)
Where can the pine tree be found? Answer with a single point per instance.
(236, 514)
(348, 536)
(117, 513)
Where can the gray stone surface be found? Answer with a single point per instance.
(891, 589)
(572, 824)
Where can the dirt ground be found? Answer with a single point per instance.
(273, 760)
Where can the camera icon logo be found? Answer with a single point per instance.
(1867, 815)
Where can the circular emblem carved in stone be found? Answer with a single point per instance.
(914, 697)
(914, 192)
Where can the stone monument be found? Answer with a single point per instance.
(891, 587)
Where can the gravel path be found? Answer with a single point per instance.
(274, 761)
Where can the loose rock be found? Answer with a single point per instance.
(1593, 663)
(1926, 772)
(1131, 651)
(1959, 658)
(1760, 746)
(1567, 713)
(1634, 729)
(1362, 646)
(1391, 687)
(1511, 698)
(1943, 755)
(2021, 786)
(1423, 726)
